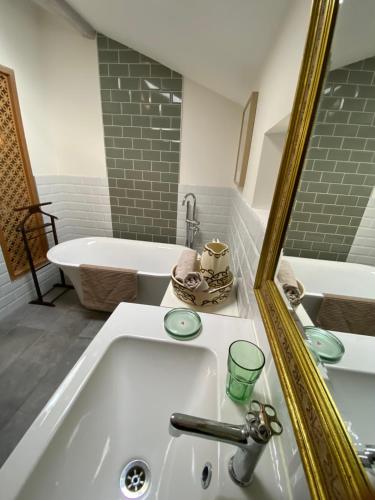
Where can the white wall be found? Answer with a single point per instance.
(72, 92)
(209, 137)
(56, 72)
(269, 162)
(277, 85)
(20, 48)
(57, 81)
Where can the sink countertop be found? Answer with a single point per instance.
(146, 322)
(359, 349)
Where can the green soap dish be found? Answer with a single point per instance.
(325, 344)
(182, 324)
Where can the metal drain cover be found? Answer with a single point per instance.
(135, 479)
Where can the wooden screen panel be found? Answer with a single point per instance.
(17, 187)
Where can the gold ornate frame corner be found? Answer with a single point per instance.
(332, 467)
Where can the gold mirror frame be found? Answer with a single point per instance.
(332, 467)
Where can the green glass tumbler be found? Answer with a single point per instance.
(245, 364)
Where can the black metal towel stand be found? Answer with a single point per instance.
(31, 210)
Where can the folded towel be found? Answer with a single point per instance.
(289, 283)
(347, 314)
(103, 288)
(186, 264)
(195, 281)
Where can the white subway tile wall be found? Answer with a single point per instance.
(82, 205)
(246, 233)
(14, 294)
(363, 248)
(213, 213)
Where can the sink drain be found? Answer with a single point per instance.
(135, 479)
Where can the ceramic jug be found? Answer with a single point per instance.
(215, 263)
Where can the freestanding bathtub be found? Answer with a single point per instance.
(341, 278)
(153, 261)
(325, 276)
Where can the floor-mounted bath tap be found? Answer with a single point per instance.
(192, 224)
(367, 456)
(251, 438)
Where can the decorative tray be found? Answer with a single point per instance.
(218, 292)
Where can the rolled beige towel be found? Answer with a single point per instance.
(186, 264)
(195, 281)
(289, 283)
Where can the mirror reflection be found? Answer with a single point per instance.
(327, 268)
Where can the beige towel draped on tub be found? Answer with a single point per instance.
(289, 283)
(103, 288)
(347, 314)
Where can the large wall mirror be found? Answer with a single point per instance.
(316, 283)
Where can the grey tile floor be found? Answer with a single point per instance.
(38, 347)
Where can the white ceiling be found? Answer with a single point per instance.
(220, 44)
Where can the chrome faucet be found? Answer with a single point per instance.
(367, 456)
(251, 438)
(192, 225)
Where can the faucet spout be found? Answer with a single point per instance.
(210, 429)
(192, 195)
(250, 438)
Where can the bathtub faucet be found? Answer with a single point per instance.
(192, 224)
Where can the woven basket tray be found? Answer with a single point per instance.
(212, 296)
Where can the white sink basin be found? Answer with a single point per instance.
(115, 405)
(352, 382)
(353, 394)
(122, 413)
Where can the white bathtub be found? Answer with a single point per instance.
(325, 276)
(341, 278)
(153, 261)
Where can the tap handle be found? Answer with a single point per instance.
(263, 421)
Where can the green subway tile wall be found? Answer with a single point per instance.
(339, 170)
(141, 104)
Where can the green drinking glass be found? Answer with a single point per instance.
(245, 364)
